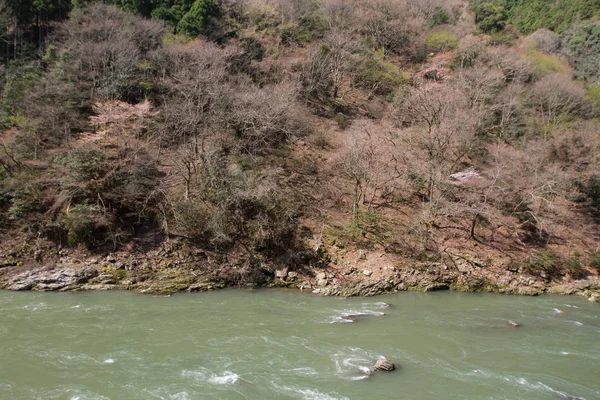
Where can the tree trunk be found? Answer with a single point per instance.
(473, 225)
(357, 197)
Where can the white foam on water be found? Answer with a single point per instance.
(368, 309)
(379, 304)
(480, 372)
(557, 311)
(338, 319)
(94, 308)
(198, 374)
(35, 307)
(354, 363)
(203, 375)
(577, 323)
(227, 378)
(180, 396)
(570, 306)
(366, 371)
(303, 371)
(109, 361)
(564, 353)
(313, 394)
(62, 358)
(344, 316)
(539, 386)
(72, 393)
(308, 393)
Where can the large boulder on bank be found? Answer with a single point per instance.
(51, 279)
(383, 364)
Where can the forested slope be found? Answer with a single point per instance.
(305, 134)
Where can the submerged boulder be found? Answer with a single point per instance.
(383, 364)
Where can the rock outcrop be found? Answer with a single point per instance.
(51, 279)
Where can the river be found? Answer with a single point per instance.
(278, 344)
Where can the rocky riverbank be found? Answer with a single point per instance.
(166, 271)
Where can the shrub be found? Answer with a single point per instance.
(130, 186)
(18, 79)
(544, 263)
(595, 260)
(544, 64)
(593, 95)
(307, 29)
(439, 16)
(123, 184)
(84, 165)
(590, 189)
(574, 268)
(253, 47)
(81, 221)
(504, 37)
(342, 121)
(377, 75)
(83, 173)
(441, 41)
(192, 220)
(316, 75)
(25, 199)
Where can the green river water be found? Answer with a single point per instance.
(274, 344)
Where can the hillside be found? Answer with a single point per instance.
(345, 147)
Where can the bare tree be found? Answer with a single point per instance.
(510, 62)
(441, 137)
(507, 107)
(544, 40)
(371, 163)
(107, 44)
(470, 50)
(340, 45)
(266, 117)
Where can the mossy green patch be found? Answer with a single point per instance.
(544, 64)
(441, 41)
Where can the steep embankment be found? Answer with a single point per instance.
(169, 271)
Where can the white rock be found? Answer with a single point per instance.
(281, 273)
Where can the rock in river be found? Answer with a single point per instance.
(383, 364)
